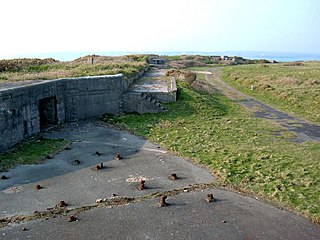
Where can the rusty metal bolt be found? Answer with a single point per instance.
(72, 218)
(4, 177)
(37, 187)
(76, 161)
(62, 204)
(98, 153)
(209, 198)
(142, 182)
(118, 157)
(162, 202)
(96, 168)
(173, 176)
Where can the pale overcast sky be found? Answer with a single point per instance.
(40, 26)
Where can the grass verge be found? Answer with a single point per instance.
(292, 87)
(240, 150)
(31, 152)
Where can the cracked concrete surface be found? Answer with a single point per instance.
(131, 214)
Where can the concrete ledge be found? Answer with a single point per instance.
(172, 85)
(156, 84)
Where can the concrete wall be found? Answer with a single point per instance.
(90, 97)
(22, 109)
(170, 95)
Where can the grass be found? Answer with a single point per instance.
(294, 88)
(36, 69)
(242, 151)
(31, 152)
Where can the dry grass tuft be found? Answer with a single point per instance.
(19, 64)
(312, 82)
(183, 75)
(287, 81)
(182, 64)
(293, 64)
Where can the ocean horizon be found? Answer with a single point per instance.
(280, 57)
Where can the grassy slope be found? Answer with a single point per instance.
(238, 148)
(294, 89)
(28, 69)
(30, 152)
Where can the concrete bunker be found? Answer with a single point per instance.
(27, 109)
(48, 112)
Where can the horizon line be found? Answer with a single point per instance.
(67, 55)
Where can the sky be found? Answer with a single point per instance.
(39, 26)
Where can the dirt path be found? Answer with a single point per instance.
(303, 130)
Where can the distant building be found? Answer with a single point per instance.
(216, 57)
(156, 61)
(159, 61)
(237, 59)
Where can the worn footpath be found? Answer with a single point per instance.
(303, 130)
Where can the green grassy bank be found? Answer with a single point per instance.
(36, 69)
(292, 87)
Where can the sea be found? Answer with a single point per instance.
(277, 56)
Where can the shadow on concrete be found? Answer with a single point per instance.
(86, 141)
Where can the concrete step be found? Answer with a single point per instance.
(140, 102)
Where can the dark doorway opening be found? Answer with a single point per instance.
(48, 112)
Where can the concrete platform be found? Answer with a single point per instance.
(188, 216)
(156, 83)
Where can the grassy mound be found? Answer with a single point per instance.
(37, 69)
